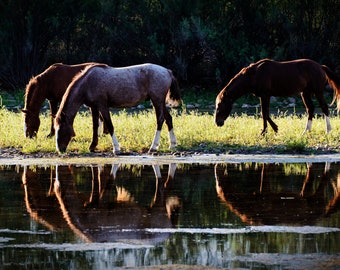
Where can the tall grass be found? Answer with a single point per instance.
(194, 132)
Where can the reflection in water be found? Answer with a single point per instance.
(108, 213)
(269, 199)
(245, 215)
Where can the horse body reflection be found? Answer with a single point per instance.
(41, 205)
(267, 203)
(119, 203)
(108, 212)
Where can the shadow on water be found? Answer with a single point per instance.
(231, 215)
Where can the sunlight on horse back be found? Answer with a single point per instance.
(268, 78)
(105, 87)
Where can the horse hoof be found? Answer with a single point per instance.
(173, 146)
(92, 148)
(151, 151)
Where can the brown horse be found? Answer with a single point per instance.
(51, 85)
(105, 87)
(268, 78)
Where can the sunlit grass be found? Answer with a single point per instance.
(194, 132)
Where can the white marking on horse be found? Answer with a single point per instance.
(56, 180)
(114, 170)
(116, 147)
(100, 127)
(56, 128)
(157, 171)
(172, 170)
(308, 127)
(155, 143)
(172, 139)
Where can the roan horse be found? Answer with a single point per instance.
(268, 78)
(51, 85)
(105, 87)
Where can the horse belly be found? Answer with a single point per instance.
(286, 85)
(127, 97)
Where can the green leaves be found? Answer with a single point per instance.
(203, 42)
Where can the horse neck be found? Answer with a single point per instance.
(236, 90)
(71, 103)
(35, 100)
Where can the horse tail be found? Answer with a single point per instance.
(173, 96)
(334, 82)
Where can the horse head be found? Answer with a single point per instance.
(30, 112)
(64, 132)
(31, 123)
(223, 108)
(238, 86)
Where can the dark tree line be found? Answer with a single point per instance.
(203, 42)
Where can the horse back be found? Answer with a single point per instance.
(57, 78)
(289, 77)
(125, 86)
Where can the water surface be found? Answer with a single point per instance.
(232, 215)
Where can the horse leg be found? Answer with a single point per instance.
(168, 121)
(265, 115)
(307, 100)
(160, 120)
(107, 121)
(95, 125)
(101, 123)
(54, 110)
(324, 108)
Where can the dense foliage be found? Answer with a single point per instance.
(204, 42)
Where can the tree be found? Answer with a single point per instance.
(203, 42)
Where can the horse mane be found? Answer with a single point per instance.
(250, 70)
(245, 74)
(30, 88)
(36, 81)
(60, 114)
(76, 78)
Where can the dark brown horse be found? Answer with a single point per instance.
(268, 78)
(51, 85)
(105, 87)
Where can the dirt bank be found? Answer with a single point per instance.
(13, 156)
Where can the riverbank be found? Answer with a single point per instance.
(13, 158)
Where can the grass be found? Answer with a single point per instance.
(195, 132)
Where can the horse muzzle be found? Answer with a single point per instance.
(219, 122)
(61, 150)
(31, 135)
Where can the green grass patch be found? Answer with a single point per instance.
(195, 132)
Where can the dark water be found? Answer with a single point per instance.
(232, 215)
